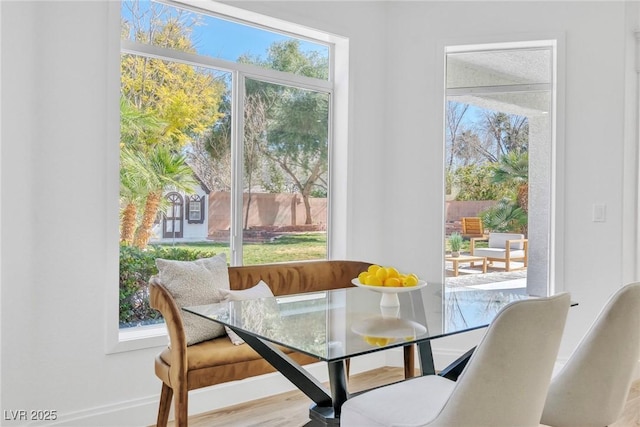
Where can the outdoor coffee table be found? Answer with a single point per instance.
(337, 325)
(466, 258)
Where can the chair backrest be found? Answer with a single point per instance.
(506, 380)
(592, 387)
(499, 240)
(472, 226)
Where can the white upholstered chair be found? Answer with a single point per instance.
(592, 387)
(504, 384)
(503, 247)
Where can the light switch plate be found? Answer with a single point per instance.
(599, 213)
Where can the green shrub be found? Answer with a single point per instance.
(505, 217)
(136, 267)
(475, 182)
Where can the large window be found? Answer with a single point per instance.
(225, 141)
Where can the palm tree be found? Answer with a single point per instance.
(505, 217)
(513, 169)
(135, 126)
(164, 170)
(133, 190)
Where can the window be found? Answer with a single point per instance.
(209, 101)
(196, 209)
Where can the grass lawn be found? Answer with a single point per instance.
(288, 247)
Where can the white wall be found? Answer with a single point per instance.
(589, 257)
(56, 89)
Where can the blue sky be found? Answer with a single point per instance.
(228, 40)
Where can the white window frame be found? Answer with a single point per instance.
(555, 41)
(193, 203)
(337, 87)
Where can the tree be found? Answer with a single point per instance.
(295, 134)
(298, 142)
(210, 153)
(475, 182)
(455, 114)
(133, 182)
(163, 169)
(255, 125)
(133, 190)
(504, 133)
(513, 170)
(164, 106)
(184, 99)
(504, 217)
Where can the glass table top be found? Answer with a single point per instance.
(338, 324)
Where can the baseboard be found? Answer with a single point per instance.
(143, 412)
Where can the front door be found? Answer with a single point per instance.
(173, 217)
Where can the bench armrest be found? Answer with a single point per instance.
(161, 300)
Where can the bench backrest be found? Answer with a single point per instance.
(296, 277)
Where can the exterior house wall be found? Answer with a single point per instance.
(191, 231)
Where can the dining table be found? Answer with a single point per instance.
(337, 325)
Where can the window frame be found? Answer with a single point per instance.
(119, 340)
(195, 200)
(557, 42)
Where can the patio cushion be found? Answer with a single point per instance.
(497, 253)
(499, 240)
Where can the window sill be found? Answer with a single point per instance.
(139, 338)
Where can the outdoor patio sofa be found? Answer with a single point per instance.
(183, 367)
(503, 247)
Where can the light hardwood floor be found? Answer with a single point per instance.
(291, 409)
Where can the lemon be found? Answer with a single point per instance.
(362, 277)
(370, 340)
(377, 341)
(392, 272)
(393, 282)
(373, 268)
(373, 280)
(383, 341)
(411, 280)
(381, 274)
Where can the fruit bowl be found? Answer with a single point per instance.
(389, 293)
(390, 328)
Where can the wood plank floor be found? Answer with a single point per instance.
(291, 408)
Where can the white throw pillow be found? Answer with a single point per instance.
(261, 290)
(196, 283)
